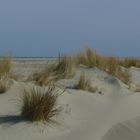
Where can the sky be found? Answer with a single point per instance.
(49, 27)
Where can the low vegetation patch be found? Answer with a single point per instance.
(85, 84)
(39, 104)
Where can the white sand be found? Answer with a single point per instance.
(113, 115)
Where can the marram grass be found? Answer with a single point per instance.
(85, 84)
(63, 68)
(39, 103)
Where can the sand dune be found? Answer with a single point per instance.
(126, 130)
(112, 115)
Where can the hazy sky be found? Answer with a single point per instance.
(47, 27)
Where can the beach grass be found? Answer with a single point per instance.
(63, 68)
(85, 84)
(39, 103)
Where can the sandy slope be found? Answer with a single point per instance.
(113, 115)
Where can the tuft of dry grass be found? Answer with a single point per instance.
(54, 72)
(91, 57)
(39, 104)
(111, 65)
(5, 66)
(4, 84)
(85, 84)
(64, 68)
(87, 57)
(80, 58)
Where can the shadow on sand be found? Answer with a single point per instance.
(11, 120)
